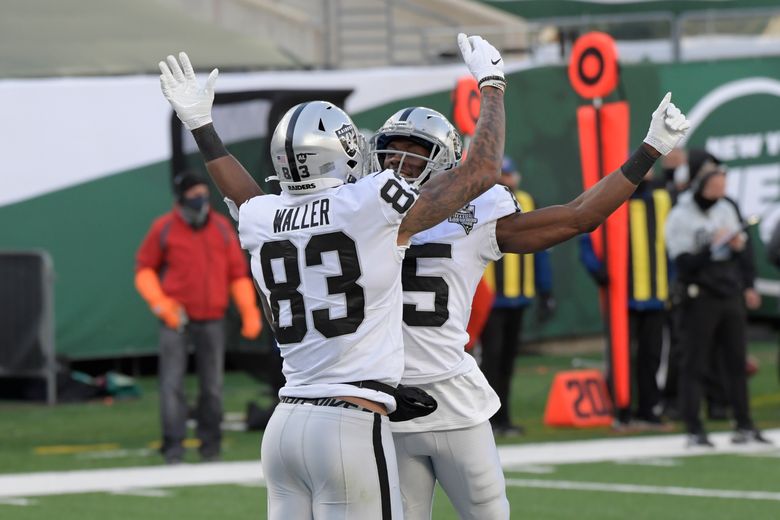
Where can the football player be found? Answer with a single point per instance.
(455, 444)
(329, 275)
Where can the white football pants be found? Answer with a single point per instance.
(323, 462)
(466, 464)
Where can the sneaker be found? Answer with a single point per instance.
(698, 440)
(745, 436)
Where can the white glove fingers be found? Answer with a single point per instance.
(186, 66)
(166, 72)
(465, 46)
(684, 126)
(482, 59)
(664, 103)
(175, 68)
(672, 123)
(212, 79)
(672, 111)
(165, 87)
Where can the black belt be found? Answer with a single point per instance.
(324, 401)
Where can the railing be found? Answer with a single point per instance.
(742, 33)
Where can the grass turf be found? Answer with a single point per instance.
(124, 433)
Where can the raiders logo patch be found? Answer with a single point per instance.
(465, 217)
(348, 138)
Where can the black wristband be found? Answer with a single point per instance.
(209, 143)
(637, 166)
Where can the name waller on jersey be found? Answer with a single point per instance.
(306, 216)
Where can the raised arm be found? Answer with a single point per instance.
(192, 104)
(545, 227)
(444, 194)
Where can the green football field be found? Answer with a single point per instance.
(50, 458)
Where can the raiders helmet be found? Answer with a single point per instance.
(426, 127)
(316, 146)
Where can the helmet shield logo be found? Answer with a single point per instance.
(348, 138)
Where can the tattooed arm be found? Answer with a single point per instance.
(444, 194)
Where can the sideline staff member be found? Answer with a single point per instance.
(186, 266)
(704, 238)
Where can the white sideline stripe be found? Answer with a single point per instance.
(644, 490)
(622, 449)
(123, 480)
(126, 479)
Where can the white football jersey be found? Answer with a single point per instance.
(329, 272)
(440, 274)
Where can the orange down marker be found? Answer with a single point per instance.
(603, 131)
(578, 398)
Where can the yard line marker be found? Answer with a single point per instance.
(148, 492)
(644, 490)
(74, 448)
(534, 468)
(659, 462)
(16, 501)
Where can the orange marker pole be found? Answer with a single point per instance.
(603, 132)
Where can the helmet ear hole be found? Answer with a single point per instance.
(315, 145)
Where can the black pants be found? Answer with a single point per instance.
(500, 344)
(647, 337)
(706, 324)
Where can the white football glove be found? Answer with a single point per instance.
(180, 87)
(483, 60)
(667, 127)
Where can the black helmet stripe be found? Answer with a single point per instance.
(288, 143)
(406, 114)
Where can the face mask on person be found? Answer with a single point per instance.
(195, 210)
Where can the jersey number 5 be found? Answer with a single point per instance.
(412, 282)
(287, 290)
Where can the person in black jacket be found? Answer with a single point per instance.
(705, 238)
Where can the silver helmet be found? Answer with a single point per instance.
(426, 127)
(316, 146)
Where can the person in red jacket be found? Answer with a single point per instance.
(187, 265)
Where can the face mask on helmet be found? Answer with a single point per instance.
(423, 126)
(316, 146)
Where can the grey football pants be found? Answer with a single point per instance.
(208, 339)
(323, 462)
(466, 464)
